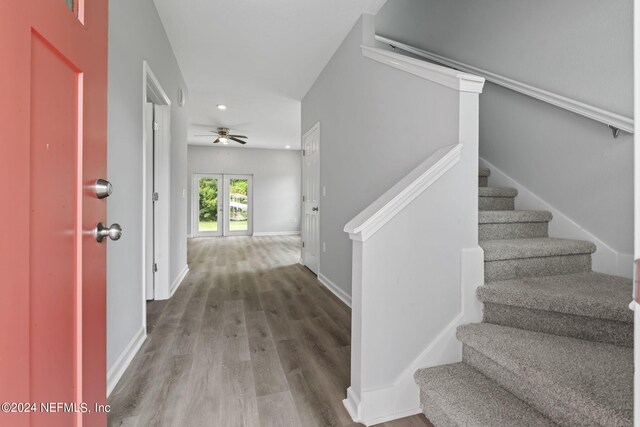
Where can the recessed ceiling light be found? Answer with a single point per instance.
(287, 146)
(222, 107)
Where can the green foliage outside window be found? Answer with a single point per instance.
(208, 200)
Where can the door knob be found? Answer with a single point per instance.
(315, 209)
(114, 232)
(103, 188)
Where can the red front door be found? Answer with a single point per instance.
(53, 101)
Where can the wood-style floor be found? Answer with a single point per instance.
(250, 338)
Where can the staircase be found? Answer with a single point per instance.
(555, 344)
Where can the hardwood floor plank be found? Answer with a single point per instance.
(278, 410)
(250, 338)
(268, 374)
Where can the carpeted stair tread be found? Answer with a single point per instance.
(508, 249)
(497, 192)
(594, 379)
(583, 294)
(506, 217)
(468, 398)
(484, 171)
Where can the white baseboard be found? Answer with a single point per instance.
(342, 295)
(124, 360)
(275, 233)
(176, 283)
(189, 236)
(353, 407)
(605, 259)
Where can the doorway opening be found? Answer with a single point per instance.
(155, 180)
(222, 205)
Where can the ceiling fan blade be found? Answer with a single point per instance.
(237, 140)
(238, 136)
(216, 141)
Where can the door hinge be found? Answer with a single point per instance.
(155, 267)
(155, 197)
(303, 198)
(156, 126)
(304, 152)
(303, 244)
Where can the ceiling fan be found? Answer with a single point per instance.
(224, 136)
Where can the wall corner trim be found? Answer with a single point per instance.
(124, 360)
(335, 289)
(373, 217)
(454, 79)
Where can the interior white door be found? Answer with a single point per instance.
(238, 209)
(207, 212)
(311, 198)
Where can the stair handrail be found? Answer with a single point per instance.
(387, 206)
(615, 121)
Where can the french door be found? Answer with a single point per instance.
(222, 205)
(238, 212)
(207, 206)
(53, 116)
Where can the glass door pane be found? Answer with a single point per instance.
(238, 196)
(208, 221)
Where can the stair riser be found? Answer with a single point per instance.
(496, 203)
(569, 325)
(483, 181)
(561, 409)
(517, 230)
(529, 267)
(433, 412)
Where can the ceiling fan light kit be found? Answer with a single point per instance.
(224, 136)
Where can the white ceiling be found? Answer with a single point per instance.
(257, 57)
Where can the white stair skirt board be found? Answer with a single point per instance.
(605, 260)
(176, 283)
(342, 295)
(275, 233)
(124, 360)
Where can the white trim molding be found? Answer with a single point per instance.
(276, 233)
(453, 79)
(335, 289)
(590, 111)
(376, 215)
(124, 360)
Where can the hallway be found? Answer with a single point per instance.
(250, 338)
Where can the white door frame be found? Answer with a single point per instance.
(195, 205)
(305, 238)
(152, 91)
(226, 206)
(636, 206)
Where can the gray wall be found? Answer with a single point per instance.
(376, 125)
(130, 43)
(577, 48)
(276, 182)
